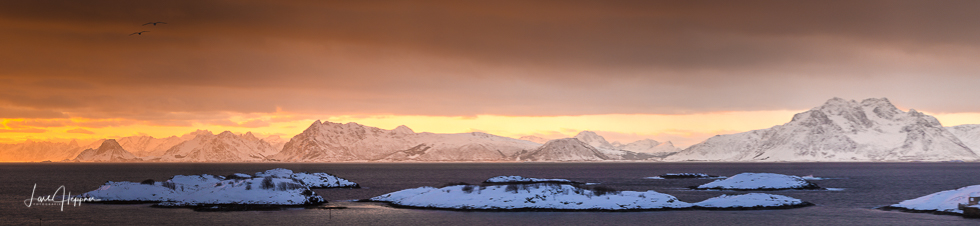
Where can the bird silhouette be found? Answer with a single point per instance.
(154, 23)
(138, 33)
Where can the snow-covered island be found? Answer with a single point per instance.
(944, 202)
(751, 201)
(525, 180)
(545, 196)
(685, 176)
(567, 197)
(313, 180)
(759, 181)
(272, 188)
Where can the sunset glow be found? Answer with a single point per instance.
(682, 130)
(679, 72)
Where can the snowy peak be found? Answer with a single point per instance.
(110, 144)
(250, 137)
(402, 129)
(881, 107)
(224, 147)
(568, 149)
(109, 151)
(228, 135)
(316, 126)
(594, 140)
(328, 141)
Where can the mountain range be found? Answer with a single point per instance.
(841, 130)
(838, 130)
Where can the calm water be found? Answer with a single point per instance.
(865, 186)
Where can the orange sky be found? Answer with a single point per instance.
(668, 70)
(682, 130)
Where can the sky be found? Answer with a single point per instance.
(668, 70)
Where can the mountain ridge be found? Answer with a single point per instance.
(839, 130)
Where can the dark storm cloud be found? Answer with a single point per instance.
(466, 58)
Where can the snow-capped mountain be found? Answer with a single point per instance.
(839, 130)
(328, 141)
(617, 152)
(535, 139)
(147, 146)
(224, 147)
(276, 141)
(594, 140)
(968, 134)
(109, 151)
(36, 151)
(568, 149)
(648, 146)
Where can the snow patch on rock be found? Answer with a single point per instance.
(313, 180)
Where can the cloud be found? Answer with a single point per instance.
(255, 123)
(37, 123)
(26, 130)
(22, 112)
(105, 123)
(471, 58)
(80, 130)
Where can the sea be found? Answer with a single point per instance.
(858, 188)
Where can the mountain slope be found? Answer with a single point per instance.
(276, 142)
(36, 151)
(649, 146)
(568, 149)
(594, 140)
(535, 139)
(968, 134)
(617, 151)
(147, 146)
(839, 130)
(328, 141)
(109, 151)
(224, 147)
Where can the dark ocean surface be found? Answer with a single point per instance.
(864, 187)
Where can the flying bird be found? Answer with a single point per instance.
(138, 33)
(154, 23)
